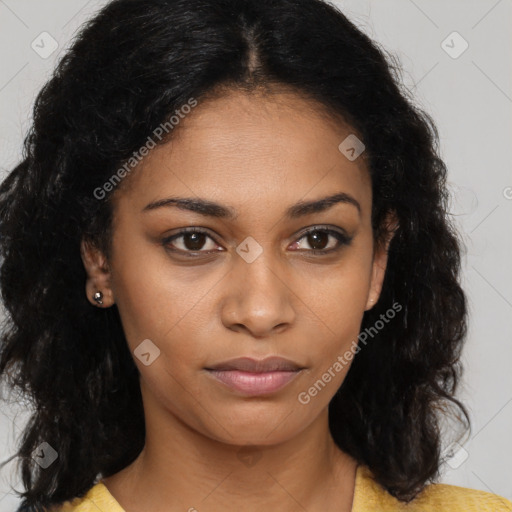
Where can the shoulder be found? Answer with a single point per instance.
(436, 497)
(97, 498)
(452, 497)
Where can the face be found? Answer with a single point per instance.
(265, 276)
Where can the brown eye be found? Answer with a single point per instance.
(193, 240)
(318, 240)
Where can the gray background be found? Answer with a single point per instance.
(469, 97)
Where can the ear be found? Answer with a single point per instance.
(380, 261)
(98, 274)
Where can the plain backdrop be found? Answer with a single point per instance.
(457, 61)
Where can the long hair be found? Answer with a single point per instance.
(128, 69)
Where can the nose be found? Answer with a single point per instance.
(259, 297)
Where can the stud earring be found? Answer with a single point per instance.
(97, 297)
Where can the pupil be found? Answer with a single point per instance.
(196, 239)
(314, 238)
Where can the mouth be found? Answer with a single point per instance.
(255, 377)
(248, 364)
(254, 384)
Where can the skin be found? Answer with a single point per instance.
(258, 155)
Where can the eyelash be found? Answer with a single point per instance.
(343, 240)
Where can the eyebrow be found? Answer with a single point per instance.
(210, 209)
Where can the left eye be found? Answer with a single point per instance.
(318, 239)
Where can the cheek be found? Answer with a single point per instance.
(143, 294)
(344, 291)
(335, 349)
(340, 306)
(140, 305)
(161, 303)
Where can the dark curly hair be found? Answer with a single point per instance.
(128, 69)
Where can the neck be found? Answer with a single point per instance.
(182, 469)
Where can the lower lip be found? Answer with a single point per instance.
(254, 383)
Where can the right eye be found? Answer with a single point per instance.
(192, 240)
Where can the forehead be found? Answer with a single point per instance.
(276, 148)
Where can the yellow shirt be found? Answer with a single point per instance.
(369, 496)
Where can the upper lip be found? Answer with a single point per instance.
(248, 364)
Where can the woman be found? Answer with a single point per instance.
(230, 278)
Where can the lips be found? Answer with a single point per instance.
(255, 377)
(248, 364)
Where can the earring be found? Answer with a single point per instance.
(97, 297)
